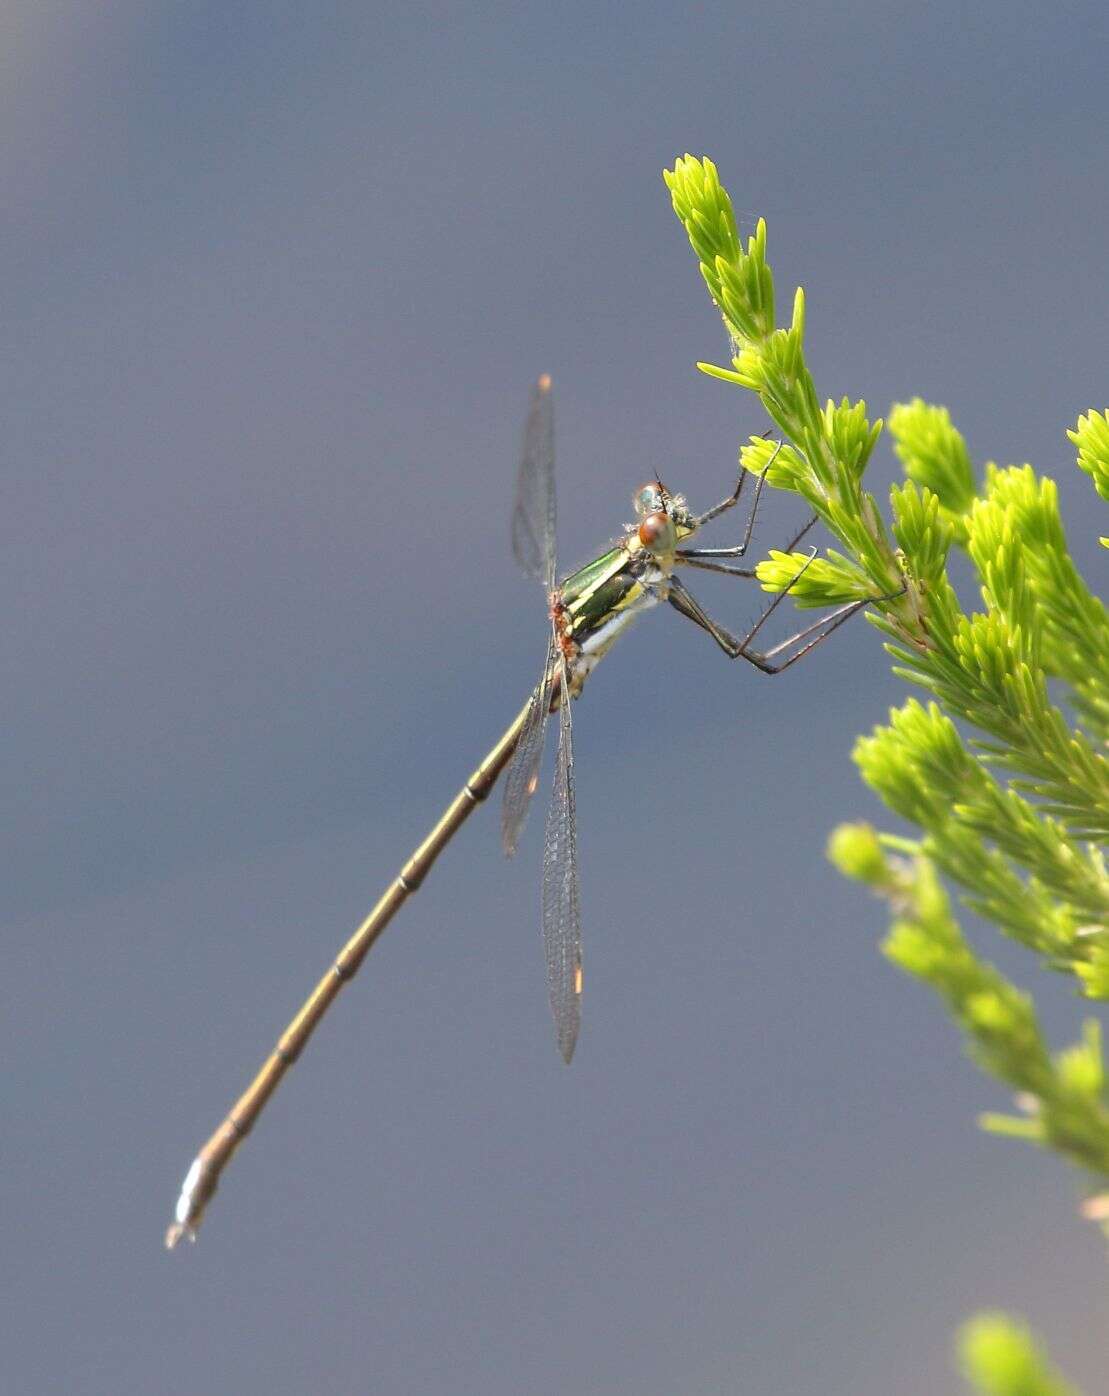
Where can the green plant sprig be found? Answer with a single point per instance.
(1011, 809)
(1091, 436)
(922, 771)
(1011, 813)
(1064, 1096)
(987, 669)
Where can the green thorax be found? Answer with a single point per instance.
(599, 591)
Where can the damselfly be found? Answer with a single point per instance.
(587, 611)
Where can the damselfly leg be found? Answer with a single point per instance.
(716, 560)
(712, 559)
(733, 499)
(687, 605)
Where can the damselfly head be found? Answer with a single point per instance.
(663, 518)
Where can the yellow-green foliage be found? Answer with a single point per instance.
(999, 1357)
(1004, 776)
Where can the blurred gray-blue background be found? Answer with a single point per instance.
(275, 281)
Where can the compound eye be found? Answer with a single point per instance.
(648, 499)
(657, 532)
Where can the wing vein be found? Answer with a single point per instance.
(533, 515)
(523, 772)
(561, 892)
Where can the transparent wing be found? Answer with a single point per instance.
(561, 897)
(533, 517)
(523, 772)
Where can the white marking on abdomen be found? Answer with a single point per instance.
(594, 649)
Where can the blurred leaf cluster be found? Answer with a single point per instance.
(1000, 1358)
